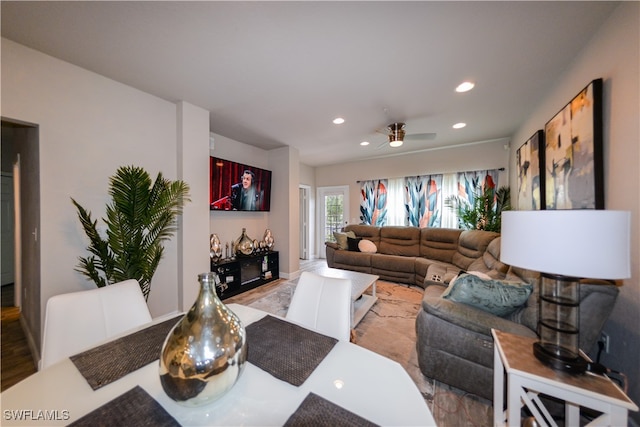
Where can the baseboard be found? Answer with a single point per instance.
(31, 342)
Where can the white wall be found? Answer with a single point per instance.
(193, 168)
(614, 55)
(89, 126)
(308, 177)
(490, 155)
(228, 225)
(285, 217)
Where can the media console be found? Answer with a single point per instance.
(245, 272)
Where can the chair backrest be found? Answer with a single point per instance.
(78, 320)
(323, 304)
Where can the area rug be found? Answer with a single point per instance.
(389, 330)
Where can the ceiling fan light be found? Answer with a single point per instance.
(396, 134)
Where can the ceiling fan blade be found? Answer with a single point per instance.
(420, 136)
(382, 145)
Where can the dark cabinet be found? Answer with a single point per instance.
(245, 272)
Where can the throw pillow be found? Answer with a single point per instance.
(367, 246)
(352, 244)
(494, 296)
(341, 238)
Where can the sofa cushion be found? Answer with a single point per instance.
(369, 232)
(404, 241)
(352, 243)
(490, 261)
(351, 258)
(393, 263)
(467, 316)
(439, 244)
(495, 296)
(341, 238)
(471, 245)
(367, 246)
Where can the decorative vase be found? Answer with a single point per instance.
(215, 248)
(244, 244)
(268, 239)
(204, 354)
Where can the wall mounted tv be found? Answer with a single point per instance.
(237, 187)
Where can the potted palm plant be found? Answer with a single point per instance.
(141, 216)
(484, 209)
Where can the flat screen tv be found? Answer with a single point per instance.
(237, 187)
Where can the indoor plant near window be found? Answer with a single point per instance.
(140, 218)
(484, 210)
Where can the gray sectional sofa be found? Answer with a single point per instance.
(454, 341)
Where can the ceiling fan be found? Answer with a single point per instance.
(396, 135)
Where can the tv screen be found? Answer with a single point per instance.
(237, 187)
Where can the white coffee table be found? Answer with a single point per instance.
(360, 282)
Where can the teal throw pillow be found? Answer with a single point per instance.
(495, 296)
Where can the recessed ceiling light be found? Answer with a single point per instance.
(459, 125)
(363, 143)
(465, 87)
(338, 120)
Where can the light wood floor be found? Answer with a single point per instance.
(17, 363)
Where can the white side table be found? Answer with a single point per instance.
(526, 377)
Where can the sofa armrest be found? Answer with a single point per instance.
(331, 248)
(468, 317)
(333, 245)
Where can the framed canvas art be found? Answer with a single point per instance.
(574, 176)
(531, 183)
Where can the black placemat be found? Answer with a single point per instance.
(315, 411)
(288, 352)
(133, 408)
(111, 361)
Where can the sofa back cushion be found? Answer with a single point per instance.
(368, 232)
(439, 244)
(471, 245)
(396, 240)
(490, 261)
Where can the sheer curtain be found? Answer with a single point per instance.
(420, 200)
(449, 188)
(395, 202)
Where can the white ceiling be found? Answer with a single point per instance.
(277, 73)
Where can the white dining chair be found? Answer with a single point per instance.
(78, 320)
(323, 304)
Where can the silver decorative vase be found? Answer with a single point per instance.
(215, 248)
(204, 354)
(268, 239)
(244, 244)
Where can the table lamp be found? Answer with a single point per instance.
(564, 246)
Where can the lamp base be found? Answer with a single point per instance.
(574, 365)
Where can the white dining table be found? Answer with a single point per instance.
(359, 380)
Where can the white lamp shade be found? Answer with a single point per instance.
(578, 243)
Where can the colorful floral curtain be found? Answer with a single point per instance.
(472, 183)
(423, 200)
(373, 202)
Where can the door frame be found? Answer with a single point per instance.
(322, 192)
(305, 192)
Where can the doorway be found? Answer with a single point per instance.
(333, 213)
(20, 160)
(304, 221)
